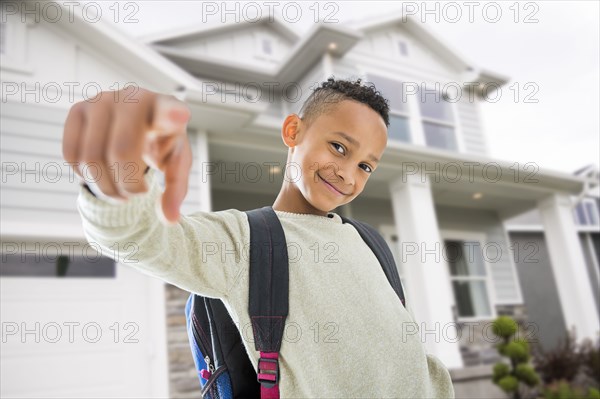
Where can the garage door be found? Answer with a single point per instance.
(75, 324)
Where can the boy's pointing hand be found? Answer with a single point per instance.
(110, 139)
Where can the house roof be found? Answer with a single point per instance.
(123, 50)
(150, 65)
(210, 28)
(586, 170)
(308, 49)
(591, 176)
(304, 54)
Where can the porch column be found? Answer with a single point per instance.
(427, 278)
(568, 266)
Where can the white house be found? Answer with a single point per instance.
(542, 292)
(437, 197)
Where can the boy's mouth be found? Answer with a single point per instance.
(330, 186)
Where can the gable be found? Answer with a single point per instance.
(395, 43)
(258, 45)
(68, 55)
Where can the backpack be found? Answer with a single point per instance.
(223, 366)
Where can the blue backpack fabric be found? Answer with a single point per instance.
(223, 366)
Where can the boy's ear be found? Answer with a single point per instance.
(290, 130)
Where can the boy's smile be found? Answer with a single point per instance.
(332, 159)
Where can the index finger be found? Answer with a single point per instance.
(176, 171)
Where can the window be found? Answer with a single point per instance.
(439, 136)
(581, 214)
(393, 91)
(587, 212)
(438, 122)
(434, 105)
(44, 263)
(267, 47)
(398, 129)
(402, 48)
(469, 278)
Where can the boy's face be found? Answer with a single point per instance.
(324, 154)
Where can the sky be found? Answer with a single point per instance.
(550, 51)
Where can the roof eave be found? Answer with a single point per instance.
(542, 180)
(134, 56)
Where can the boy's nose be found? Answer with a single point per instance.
(345, 180)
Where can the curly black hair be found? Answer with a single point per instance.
(332, 92)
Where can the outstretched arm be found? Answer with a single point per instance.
(203, 252)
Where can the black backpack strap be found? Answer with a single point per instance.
(382, 251)
(220, 343)
(269, 287)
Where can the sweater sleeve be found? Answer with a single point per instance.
(203, 253)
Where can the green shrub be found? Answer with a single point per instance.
(509, 377)
(517, 351)
(500, 370)
(527, 374)
(504, 327)
(508, 383)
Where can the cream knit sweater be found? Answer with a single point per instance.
(346, 331)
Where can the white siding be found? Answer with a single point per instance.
(30, 137)
(37, 184)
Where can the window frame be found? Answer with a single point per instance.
(406, 114)
(454, 124)
(260, 38)
(586, 204)
(459, 235)
(413, 115)
(402, 47)
(399, 43)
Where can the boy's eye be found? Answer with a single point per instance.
(341, 146)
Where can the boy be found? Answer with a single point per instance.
(336, 345)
